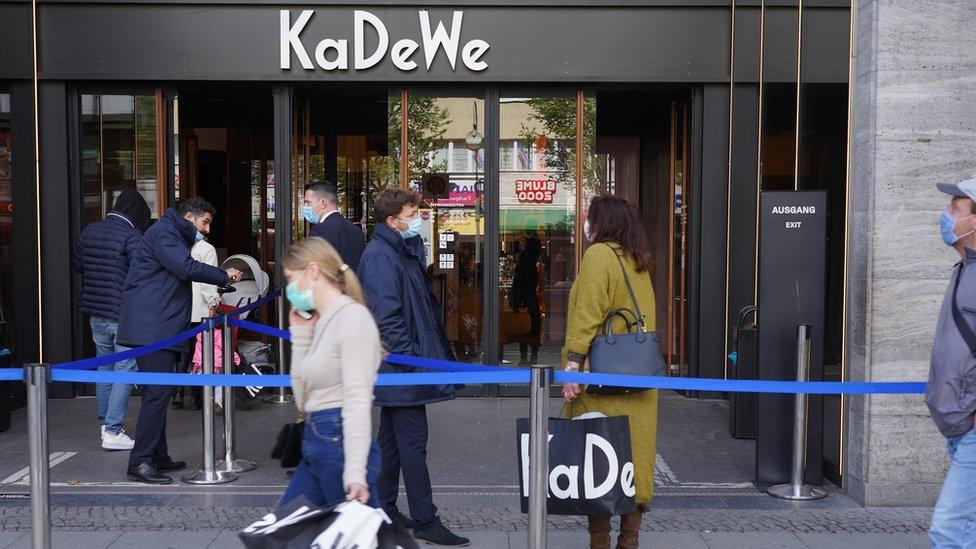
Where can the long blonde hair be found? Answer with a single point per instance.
(316, 250)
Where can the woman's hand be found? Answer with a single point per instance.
(357, 492)
(571, 390)
(296, 319)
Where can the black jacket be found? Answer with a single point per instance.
(345, 237)
(104, 251)
(157, 298)
(401, 298)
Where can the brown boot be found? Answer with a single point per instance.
(629, 530)
(599, 527)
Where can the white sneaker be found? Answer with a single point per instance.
(120, 441)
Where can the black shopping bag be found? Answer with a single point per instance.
(293, 526)
(591, 469)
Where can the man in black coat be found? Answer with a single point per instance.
(321, 209)
(155, 306)
(103, 253)
(401, 297)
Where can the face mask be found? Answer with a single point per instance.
(199, 236)
(586, 231)
(413, 227)
(302, 300)
(947, 224)
(308, 212)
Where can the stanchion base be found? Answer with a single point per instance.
(236, 466)
(217, 477)
(804, 492)
(278, 399)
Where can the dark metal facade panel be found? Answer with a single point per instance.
(527, 44)
(15, 41)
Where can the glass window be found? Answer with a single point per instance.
(537, 217)
(119, 151)
(445, 137)
(6, 230)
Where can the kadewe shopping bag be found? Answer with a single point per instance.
(591, 469)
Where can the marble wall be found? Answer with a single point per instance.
(914, 125)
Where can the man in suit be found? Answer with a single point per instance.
(321, 209)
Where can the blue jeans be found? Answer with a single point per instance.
(319, 475)
(112, 398)
(954, 519)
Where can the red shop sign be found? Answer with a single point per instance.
(537, 191)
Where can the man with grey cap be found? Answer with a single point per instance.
(951, 392)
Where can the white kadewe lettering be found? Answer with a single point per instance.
(440, 39)
(794, 209)
(564, 480)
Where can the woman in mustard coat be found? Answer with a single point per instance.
(613, 227)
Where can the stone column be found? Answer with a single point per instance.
(914, 125)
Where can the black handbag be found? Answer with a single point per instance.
(288, 447)
(635, 352)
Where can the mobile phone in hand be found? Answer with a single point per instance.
(304, 314)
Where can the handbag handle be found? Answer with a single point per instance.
(622, 313)
(641, 324)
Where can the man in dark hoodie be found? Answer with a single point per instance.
(103, 254)
(156, 305)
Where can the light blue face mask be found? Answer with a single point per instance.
(199, 236)
(947, 224)
(413, 227)
(303, 300)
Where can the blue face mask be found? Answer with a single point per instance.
(199, 236)
(947, 224)
(309, 214)
(303, 300)
(413, 227)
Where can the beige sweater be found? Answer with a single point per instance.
(334, 365)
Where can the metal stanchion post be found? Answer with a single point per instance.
(230, 463)
(281, 396)
(796, 490)
(36, 376)
(538, 455)
(208, 474)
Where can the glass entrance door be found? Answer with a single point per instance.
(678, 279)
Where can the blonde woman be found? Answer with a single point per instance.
(336, 354)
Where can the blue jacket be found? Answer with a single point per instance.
(157, 298)
(345, 237)
(103, 253)
(400, 295)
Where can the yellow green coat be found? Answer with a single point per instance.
(600, 288)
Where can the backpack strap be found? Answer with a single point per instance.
(964, 329)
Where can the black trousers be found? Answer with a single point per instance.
(403, 447)
(150, 442)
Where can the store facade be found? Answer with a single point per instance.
(507, 116)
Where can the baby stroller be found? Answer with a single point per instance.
(252, 356)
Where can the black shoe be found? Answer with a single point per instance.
(177, 401)
(400, 519)
(170, 466)
(438, 534)
(145, 472)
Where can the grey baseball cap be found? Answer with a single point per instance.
(965, 188)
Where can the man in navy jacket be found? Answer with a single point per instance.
(155, 306)
(103, 254)
(401, 297)
(321, 209)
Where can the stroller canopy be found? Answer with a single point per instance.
(253, 285)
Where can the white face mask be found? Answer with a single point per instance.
(586, 231)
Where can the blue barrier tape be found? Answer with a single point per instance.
(259, 328)
(251, 306)
(91, 363)
(745, 386)
(11, 374)
(277, 380)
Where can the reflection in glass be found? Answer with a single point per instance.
(537, 196)
(118, 150)
(6, 229)
(445, 144)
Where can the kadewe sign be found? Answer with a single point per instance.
(330, 53)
